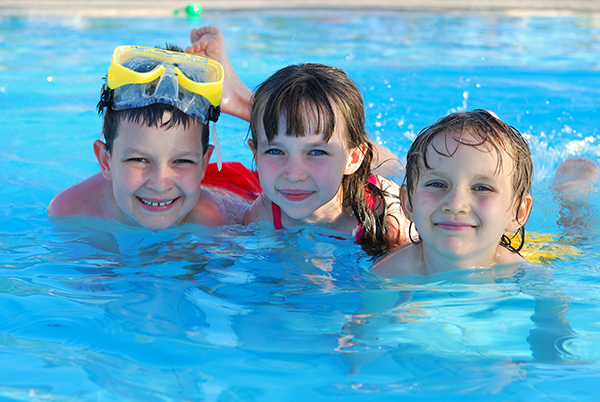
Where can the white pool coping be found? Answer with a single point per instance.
(128, 8)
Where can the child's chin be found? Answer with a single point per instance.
(157, 226)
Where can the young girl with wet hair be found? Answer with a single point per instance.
(314, 156)
(467, 192)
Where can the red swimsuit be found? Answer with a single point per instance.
(360, 230)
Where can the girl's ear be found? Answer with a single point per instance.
(103, 159)
(355, 159)
(521, 213)
(405, 203)
(251, 145)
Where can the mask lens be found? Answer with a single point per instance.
(141, 64)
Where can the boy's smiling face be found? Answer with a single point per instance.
(155, 172)
(464, 203)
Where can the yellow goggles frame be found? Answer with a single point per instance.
(119, 75)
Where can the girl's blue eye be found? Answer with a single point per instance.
(436, 184)
(318, 152)
(274, 152)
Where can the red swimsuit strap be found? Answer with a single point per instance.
(276, 216)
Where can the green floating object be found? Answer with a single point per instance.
(193, 10)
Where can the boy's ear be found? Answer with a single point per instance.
(206, 159)
(405, 203)
(355, 159)
(103, 159)
(521, 213)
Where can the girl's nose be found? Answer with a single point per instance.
(295, 171)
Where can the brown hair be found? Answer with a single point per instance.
(305, 94)
(151, 115)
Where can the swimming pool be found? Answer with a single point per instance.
(91, 310)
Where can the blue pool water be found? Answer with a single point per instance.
(93, 311)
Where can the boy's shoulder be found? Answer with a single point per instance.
(507, 257)
(404, 261)
(90, 197)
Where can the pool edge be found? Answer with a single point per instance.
(157, 8)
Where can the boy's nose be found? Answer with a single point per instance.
(456, 201)
(160, 179)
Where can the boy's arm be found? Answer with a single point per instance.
(90, 197)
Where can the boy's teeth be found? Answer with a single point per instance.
(157, 204)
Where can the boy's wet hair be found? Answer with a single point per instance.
(307, 96)
(151, 116)
(480, 129)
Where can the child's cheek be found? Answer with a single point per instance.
(128, 177)
(267, 167)
(190, 177)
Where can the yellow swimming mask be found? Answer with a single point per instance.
(141, 76)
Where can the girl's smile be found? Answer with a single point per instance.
(303, 174)
(296, 195)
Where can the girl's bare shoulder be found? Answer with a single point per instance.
(259, 211)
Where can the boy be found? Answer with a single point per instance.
(156, 106)
(468, 181)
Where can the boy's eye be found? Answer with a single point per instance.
(435, 184)
(482, 188)
(141, 160)
(184, 161)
